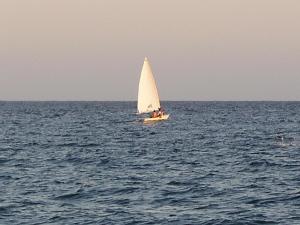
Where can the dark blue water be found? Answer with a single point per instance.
(95, 163)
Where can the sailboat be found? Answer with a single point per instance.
(148, 98)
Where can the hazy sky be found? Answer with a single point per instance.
(198, 49)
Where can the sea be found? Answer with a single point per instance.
(98, 163)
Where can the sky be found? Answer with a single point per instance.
(204, 50)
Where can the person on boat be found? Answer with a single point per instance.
(154, 114)
(161, 112)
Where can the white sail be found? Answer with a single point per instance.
(148, 99)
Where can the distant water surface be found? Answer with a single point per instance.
(96, 163)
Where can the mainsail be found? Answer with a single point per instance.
(148, 99)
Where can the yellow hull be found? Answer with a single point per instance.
(164, 117)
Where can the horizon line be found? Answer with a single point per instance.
(39, 100)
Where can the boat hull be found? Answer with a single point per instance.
(160, 118)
